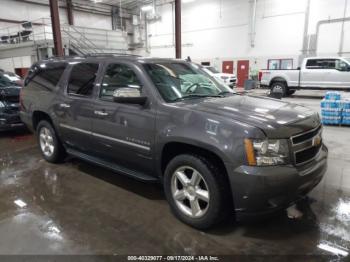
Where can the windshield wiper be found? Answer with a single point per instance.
(225, 93)
(195, 96)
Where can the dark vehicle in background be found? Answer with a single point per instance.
(10, 78)
(9, 102)
(217, 153)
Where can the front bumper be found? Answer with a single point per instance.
(10, 122)
(263, 190)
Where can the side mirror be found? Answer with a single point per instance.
(128, 95)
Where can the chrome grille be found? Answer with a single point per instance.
(307, 145)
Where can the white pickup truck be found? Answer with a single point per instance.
(320, 73)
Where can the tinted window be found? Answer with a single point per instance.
(320, 64)
(45, 76)
(82, 79)
(178, 80)
(4, 81)
(117, 76)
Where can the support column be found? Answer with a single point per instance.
(56, 28)
(178, 29)
(70, 12)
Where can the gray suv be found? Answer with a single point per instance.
(216, 152)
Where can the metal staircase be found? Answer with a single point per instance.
(38, 42)
(83, 41)
(77, 42)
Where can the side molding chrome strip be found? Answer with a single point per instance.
(76, 129)
(106, 137)
(122, 141)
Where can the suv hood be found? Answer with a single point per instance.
(277, 119)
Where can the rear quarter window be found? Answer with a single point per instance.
(45, 76)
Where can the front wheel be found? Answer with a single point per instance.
(196, 191)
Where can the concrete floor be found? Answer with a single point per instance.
(77, 208)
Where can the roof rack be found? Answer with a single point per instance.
(110, 54)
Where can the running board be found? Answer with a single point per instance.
(112, 166)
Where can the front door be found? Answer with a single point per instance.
(73, 109)
(339, 76)
(124, 133)
(242, 72)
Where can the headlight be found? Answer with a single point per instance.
(266, 152)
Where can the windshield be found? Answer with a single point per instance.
(5, 80)
(179, 80)
(347, 59)
(212, 69)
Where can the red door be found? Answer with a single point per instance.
(227, 67)
(242, 72)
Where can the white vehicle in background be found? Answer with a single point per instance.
(319, 73)
(228, 79)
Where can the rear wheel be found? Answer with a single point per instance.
(279, 87)
(196, 191)
(50, 146)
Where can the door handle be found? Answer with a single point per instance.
(64, 105)
(100, 113)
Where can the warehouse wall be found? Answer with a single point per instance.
(217, 30)
(30, 12)
(14, 10)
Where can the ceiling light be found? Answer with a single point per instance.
(187, 1)
(146, 8)
(96, 1)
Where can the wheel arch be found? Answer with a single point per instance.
(39, 116)
(278, 79)
(172, 149)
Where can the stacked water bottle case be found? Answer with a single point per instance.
(335, 109)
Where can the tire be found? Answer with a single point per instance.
(50, 146)
(279, 87)
(181, 198)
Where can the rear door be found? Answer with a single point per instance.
(74, 109)
(124, 133)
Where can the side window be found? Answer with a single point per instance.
(329, 64)
(117, 76)
(45, 76)
(314, 64)
(341, 65)
(82, 79)
(320, 64)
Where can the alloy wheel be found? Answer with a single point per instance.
(190, 192)
(46, 141)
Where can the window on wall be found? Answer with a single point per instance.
(276, 64)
